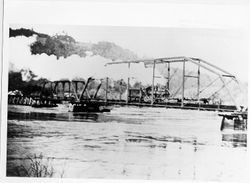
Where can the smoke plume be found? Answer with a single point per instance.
(65, 46)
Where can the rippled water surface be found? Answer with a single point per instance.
(128, 142)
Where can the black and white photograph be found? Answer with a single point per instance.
(125, 102)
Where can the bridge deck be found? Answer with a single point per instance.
(177, 105)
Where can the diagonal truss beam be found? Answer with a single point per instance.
(210, 84)
(216, 67)
(221, 73)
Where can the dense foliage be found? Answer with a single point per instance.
(38, 86)
(26, 87)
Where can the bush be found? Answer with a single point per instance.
(35, 166)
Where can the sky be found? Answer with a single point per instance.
(215, 32)
(227, 49)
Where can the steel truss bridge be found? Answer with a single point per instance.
(76, 94)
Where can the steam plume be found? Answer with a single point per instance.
(65, 46)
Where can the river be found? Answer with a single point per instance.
(127, 143)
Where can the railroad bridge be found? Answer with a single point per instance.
(77, 91)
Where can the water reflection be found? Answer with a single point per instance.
(31, 116)
(235, 140)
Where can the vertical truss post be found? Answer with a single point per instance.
(55, 87)
(183, 84)
(128, 83)
(63, 87)
(168, 83)
(198, 86)
(69, 88)
(76, 87)
(153, 88)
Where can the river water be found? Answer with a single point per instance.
(127, 143)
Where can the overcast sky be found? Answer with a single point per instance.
(214, 32)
